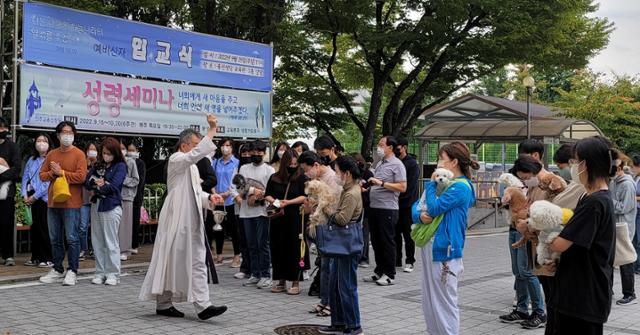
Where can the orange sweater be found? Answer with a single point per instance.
(74, 164)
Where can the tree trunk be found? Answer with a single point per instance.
(368, 137)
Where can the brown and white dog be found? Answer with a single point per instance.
(518, 207)
(325, 204)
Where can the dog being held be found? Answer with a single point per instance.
(442, 177)
(551, 183)
(549, 219)
(325, 204)
(246, 187)
(518, 207)
(509, 180)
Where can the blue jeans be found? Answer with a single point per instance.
(343, 287)
(527, 284)
(636, 243)
(61, 221)
(85, 222)
(325, 271)
(257, 231)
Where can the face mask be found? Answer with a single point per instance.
(92, 154)
(66, 140)
(245, 160)
(256, 159)
(326, 160)
(339, 180)
(107, 158)
(4, 134)
(312, 174)
(280, 153)
(226, 151)
(380, 152)
(292, 169)
(532, 182)
(575, 173)
(42, 147)
(124, 153)
(133, 154)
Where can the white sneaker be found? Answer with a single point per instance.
(123, 257)
(305, 275)
(253, 281)
(97, 280)
(112, 281)
(133, 251)
(45, 265)
(265, 283)
(70, 279)
(239, 275)
(408, 268)
(52, 277)
(385, 281)
(372, 279)
(217, 227)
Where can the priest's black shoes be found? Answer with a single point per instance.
(170, 312)
(211, 311)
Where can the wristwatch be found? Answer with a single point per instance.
(382, 185)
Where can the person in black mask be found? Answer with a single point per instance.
(9, 156)
(326, 149)
(285, 189)
(254, 217)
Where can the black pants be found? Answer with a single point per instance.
(365, 237)
(230, 228)
(8, 210)
(40, 243)
(627, 277)
(565, 324)
(382, 224)
(403, 231)
(135, 228)
(547, 283)
(245, 266)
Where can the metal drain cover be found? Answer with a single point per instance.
(298, 330)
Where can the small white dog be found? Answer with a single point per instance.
(549, 219)
(325, 204)
(442, 177)
(509, 180)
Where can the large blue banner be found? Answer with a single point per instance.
(75, 39)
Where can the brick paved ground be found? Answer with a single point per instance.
(485, 291)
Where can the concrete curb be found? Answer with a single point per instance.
(487, 231)
(134, 267)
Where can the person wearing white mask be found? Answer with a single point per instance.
(85, 211)
(134, 153)
(67, 162)
(280, 148)
(106, 211)
(390, 179)
(129, 190)
(10, 160)
(34, 195)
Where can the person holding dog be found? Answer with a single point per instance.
(442, 255)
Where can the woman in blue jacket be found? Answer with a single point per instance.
(442, 256)
(105, 181)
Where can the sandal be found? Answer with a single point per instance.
(316, 309)
(293, 290)
(278, 289)
(325, 312)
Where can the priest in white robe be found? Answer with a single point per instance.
(178, 272)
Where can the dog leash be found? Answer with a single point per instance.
(303, 244)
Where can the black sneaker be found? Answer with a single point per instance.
(536, 321)
(331, 330)
(630, 300)
(514, 317)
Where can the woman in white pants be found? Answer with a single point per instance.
(442, 255)
(105, 181)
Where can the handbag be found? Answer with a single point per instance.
(625, 252)
(274, 212)
(61, 191)
(28, 218)
(334, 240)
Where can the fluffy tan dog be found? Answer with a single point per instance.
(518, 206)
(552, 183)
(325, 204)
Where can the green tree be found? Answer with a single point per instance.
(418, 53)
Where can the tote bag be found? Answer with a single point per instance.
(625, 252)
(61, 191)
(334, 240)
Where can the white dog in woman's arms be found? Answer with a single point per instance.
(549, 219)
(324, 204)
(442, 177)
